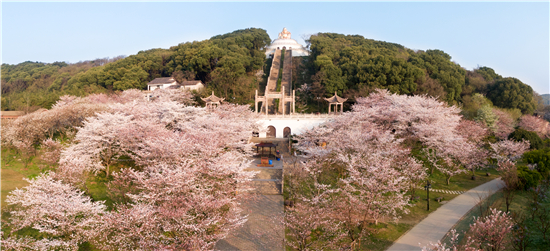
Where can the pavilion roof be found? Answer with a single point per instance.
(212, 98)
(336, 99)
(266, 144)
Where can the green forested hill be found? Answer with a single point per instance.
(348, 64)
(353, 66)
(225, 62)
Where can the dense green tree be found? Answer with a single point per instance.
(353, 64)
(541, 158)
(488, 74)
(512, 93)
(438, 65)
(528, 178)
(534, 140)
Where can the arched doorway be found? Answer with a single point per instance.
(286, 132)
(271, 132)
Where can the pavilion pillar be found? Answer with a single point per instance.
(283, 99)
(293, 101)
(256, 101)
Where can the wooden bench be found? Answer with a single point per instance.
(264, 162)
(439, 199)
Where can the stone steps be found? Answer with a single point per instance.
(267, 186)
(268, 173)
(286, 80)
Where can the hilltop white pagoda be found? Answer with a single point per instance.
(284, 41)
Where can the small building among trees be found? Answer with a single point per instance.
(171, 82)
(161, 83)
(192, 85)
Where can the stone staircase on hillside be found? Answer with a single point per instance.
(272, 80)
(286, 80)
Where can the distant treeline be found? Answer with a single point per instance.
(225, 62)
(350, 65)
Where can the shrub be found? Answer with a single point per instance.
(528, 178)
(541, 158)
(532, 137)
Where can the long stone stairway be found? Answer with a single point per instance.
(272, 80)
(286, 80)
(278, 99)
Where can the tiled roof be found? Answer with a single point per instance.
(336, 99)
(161, 81)
(192, 82)
(212, 98)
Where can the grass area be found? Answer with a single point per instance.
(384, 236)
(13, 172)
(462, 182)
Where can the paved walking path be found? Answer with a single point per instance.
(434, 227)
(263, 230)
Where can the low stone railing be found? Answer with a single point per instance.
(300, 116)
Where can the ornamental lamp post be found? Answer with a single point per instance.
(427, 187)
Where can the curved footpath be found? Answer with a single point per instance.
(434, 227)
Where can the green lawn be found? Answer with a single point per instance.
(13, 172)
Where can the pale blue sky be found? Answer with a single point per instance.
(512, 38)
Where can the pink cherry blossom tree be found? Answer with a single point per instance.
(425, 119)
(508, 149)
(51, 151)
(535, 124)
(377, 171)
(182, 187)
(188, 176)
(474, 133)
(97, 144)
(509, 173)
(454, 246)
(491, 232)
(309, 226)
(505, 124)
(443, 246)
(61, 212)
